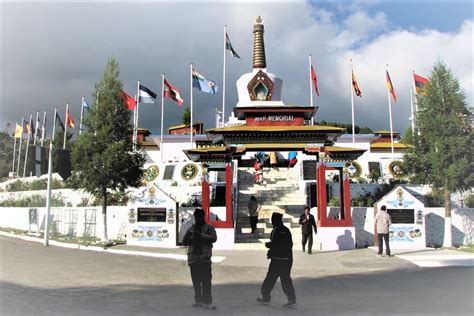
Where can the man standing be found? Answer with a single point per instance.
(281, 255)
(200, 238)
(382, 223)
(307, 223)
(253, 213)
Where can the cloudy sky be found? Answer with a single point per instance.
(54, 52)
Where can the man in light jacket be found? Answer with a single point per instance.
(382, 224)
(199, 239)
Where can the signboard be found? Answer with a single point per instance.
(151, 214)
(309, 169)
(402, 216)
(152, 218)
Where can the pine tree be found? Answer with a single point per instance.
(442, 155)
(102, 157)
(186, 116)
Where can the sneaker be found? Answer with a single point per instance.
(379, 256)
(263, 301)
(310, 253)
(290, 304)
(389, 255)
(209, 306)
(197, 304)
(303, 250)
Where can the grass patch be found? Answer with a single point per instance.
(468, 248)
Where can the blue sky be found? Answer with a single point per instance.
(55, 52)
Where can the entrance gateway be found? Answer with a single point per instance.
(272, 125)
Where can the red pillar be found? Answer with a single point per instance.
(347, 199)
(206, 198)
(228, 193)
(321, 193)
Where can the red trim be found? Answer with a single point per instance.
(228, 194)
(346, 195)
(218, 224)
(206, 199)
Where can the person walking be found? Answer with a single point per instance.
(382, 224)
(307, 223)
(258, 172)
(199, 239)
(281, 260)
(273, 159)
(253, 213)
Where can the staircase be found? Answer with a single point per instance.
(279, 193)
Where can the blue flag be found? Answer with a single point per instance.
(203, 84)
(85, 104)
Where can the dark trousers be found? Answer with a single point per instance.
(387, 246)
(201, 276)
(308, 238)
(281, 269)
(253, 223)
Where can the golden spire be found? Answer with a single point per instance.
(258, 45)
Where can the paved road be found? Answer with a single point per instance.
(55, 281)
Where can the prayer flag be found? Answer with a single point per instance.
(69, 120)
(201, 83)
(356, 85)
(315, 80)
(229, 47)
(171, 92)
(145, 95)
(129, 101)
(18, 131)
(390, 87)
(419, 82)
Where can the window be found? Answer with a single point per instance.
(169, 170)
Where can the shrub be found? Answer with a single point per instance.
(470, 201)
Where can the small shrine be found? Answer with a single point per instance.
(408, 219)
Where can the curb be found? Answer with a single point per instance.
(172, 256)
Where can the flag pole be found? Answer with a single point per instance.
(137, 99)
(162, 113)
(352, 107)
(82, 113)
(310, 89)
(65, 126)
(191, 102)
(391, 122)
(19, 148)
(14, 150)
(36, 128)
(415, 101)
(43, 128)
(223, 79)
(412, 112)
(27, 146)
(48, 190)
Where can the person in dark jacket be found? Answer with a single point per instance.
(281, 255)
(199, 239)
(307, 223)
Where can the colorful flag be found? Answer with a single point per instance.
(419, 82)
(292, 160)
(229, 47)
(43, 128)
(85, 104)
(18, 131)
(26, 127)
(58, 119)
(69, 120)
(31, 126)
(171, 92)
(315, 80)
(145, 95)
(129, 101)
(390, 87)
(201, 83)
(356, 85)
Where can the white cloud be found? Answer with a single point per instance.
(56, 53)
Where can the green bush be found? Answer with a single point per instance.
(470, 201)
(334, 202)
(435, 198)
(34, 201)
